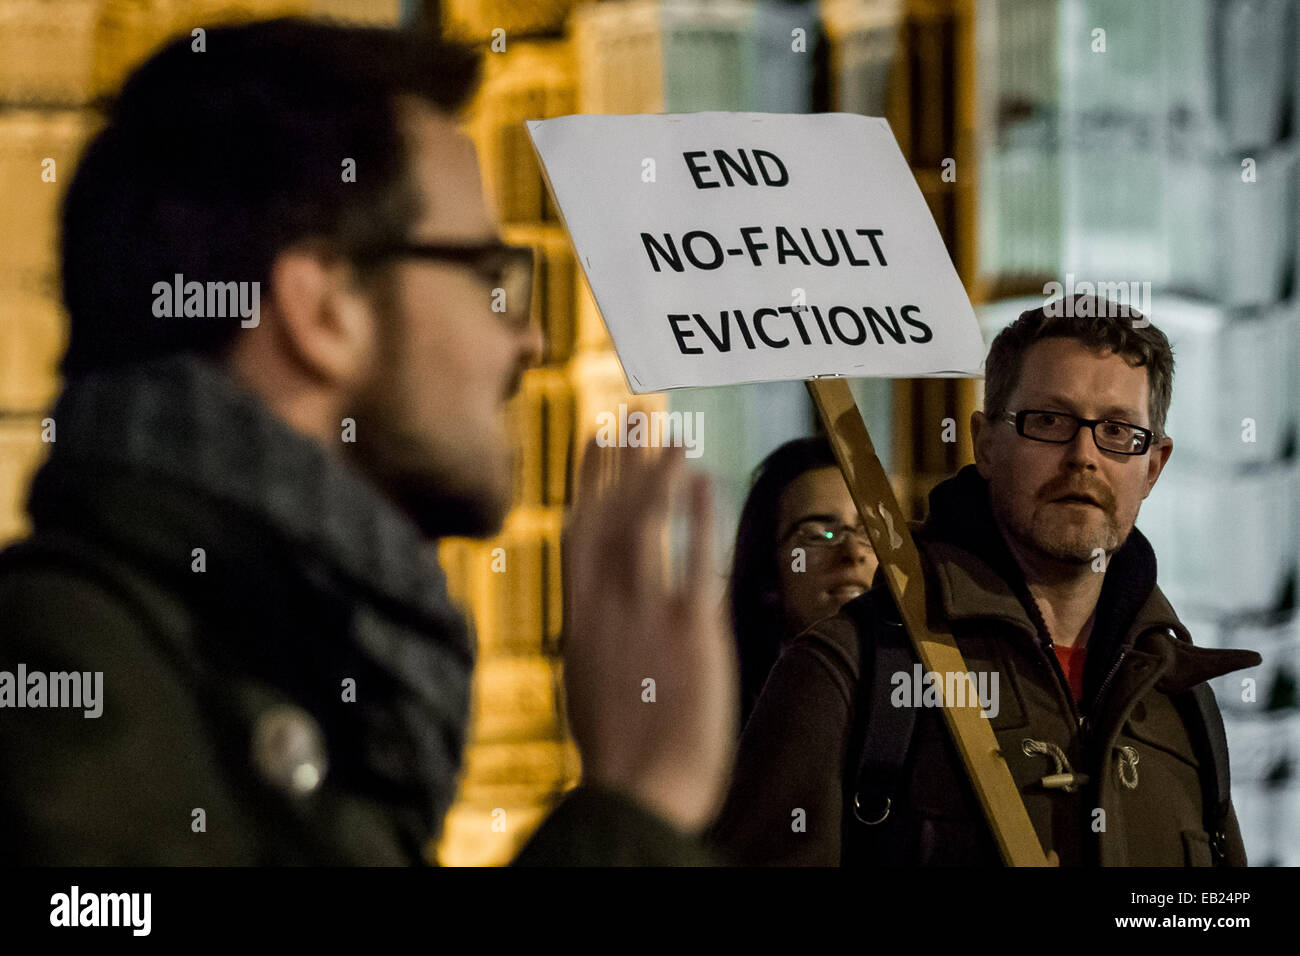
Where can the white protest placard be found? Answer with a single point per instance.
(746, 247)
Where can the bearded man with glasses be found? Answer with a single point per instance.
(236, 525)
(1104, 717)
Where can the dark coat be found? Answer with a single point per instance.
(1142, 805)
(225, 680)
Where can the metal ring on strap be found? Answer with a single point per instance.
(857, 810)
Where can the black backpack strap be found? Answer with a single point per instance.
(1216, 786)
(883, 732)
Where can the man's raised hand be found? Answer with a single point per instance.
(649, 664)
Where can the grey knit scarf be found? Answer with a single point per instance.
(184, 423)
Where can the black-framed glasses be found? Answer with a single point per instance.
(503, 267)
(1122, 438)
(817, 533)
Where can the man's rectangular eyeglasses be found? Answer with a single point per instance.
(1058, 428)
(501, 266)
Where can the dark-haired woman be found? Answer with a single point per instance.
(801, 553)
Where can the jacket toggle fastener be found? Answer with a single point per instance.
(1063, 778)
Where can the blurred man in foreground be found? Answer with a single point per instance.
(285, 381)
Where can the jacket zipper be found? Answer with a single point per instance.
(1101, 691)
(1063, 683)
(1085, 724)
(1047, 647)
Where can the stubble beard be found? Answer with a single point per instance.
(444, 498)
(411, 476)
(1059, 538)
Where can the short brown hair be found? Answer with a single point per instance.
(1099, 324)
(212, 164)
